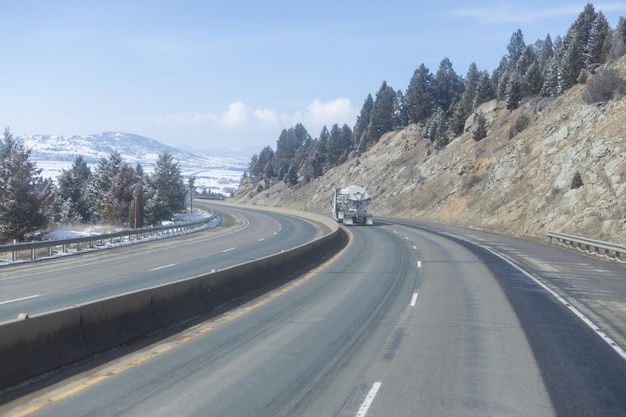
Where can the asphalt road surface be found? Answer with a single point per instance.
(47, 285)
(406, 321)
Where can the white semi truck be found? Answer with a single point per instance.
(349, 206)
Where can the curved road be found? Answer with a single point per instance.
(407, 321)
(56, 283)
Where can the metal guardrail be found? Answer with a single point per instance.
(79, 243)
(596, 247)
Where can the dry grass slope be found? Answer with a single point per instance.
(518, 180)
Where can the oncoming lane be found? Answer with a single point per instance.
(57, 283)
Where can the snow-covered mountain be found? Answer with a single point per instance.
(52, 154)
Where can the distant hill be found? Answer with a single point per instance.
(564, 171)
(52, 154)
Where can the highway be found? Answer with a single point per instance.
(408, 320)
(48, 285)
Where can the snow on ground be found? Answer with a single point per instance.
(60, 234)
(223, 181)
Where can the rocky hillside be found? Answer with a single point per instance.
(552, 164)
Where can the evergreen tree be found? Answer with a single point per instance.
(596, 50)
(322, 146)
(291, 177)
(264, 167)
(252, 165)
(532, 80)
(120, 194)
(552, 70)
(166, 190)
(400, 116)
(515, 47)
(287, 145)
(74, 201)
(618, 40)
(436, 129)
(447, 86)
(24, 196)
(102, 182)
(463, 108)
(362, 124)
(334, 146)
(544, 50)
(572, 61)
(513, 92)
(382, 113)
(479, 128)
(485, 90)
(418, 100)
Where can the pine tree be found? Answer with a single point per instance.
(596, 50)
(266, 157)
(322, 146)
(572, 61)
(551, 70)
(436, 129)
(447, 86)
(107, 168)
(532, 80)
(485, 90)
(513, 92)
(291, 177)
(479, 128)
(462, 108)
(418, 100)
(618, 40)
(515, 47)
(119, 196)
(362, 125)
(165, 190)
(400, 116)
(334, 146)
(74, 201)
(382, 113)
(24, 196)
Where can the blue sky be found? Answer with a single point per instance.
(230, 75)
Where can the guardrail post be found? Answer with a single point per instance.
(591, 246)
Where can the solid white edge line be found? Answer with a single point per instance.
(19, 299)
(369, 399)
(617, 348)
(419, 264)
(414, 300)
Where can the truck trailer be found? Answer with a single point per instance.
(349, 206)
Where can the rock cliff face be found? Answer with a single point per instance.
(552, 164)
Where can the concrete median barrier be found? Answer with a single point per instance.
(40, 344)
(176, 302)
(35, 345)
(113, 321)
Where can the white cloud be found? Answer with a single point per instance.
(267, 118)
(235, 116)
(335, 111)
(239, 116)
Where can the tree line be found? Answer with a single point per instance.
(114, 192)
(441, 102)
